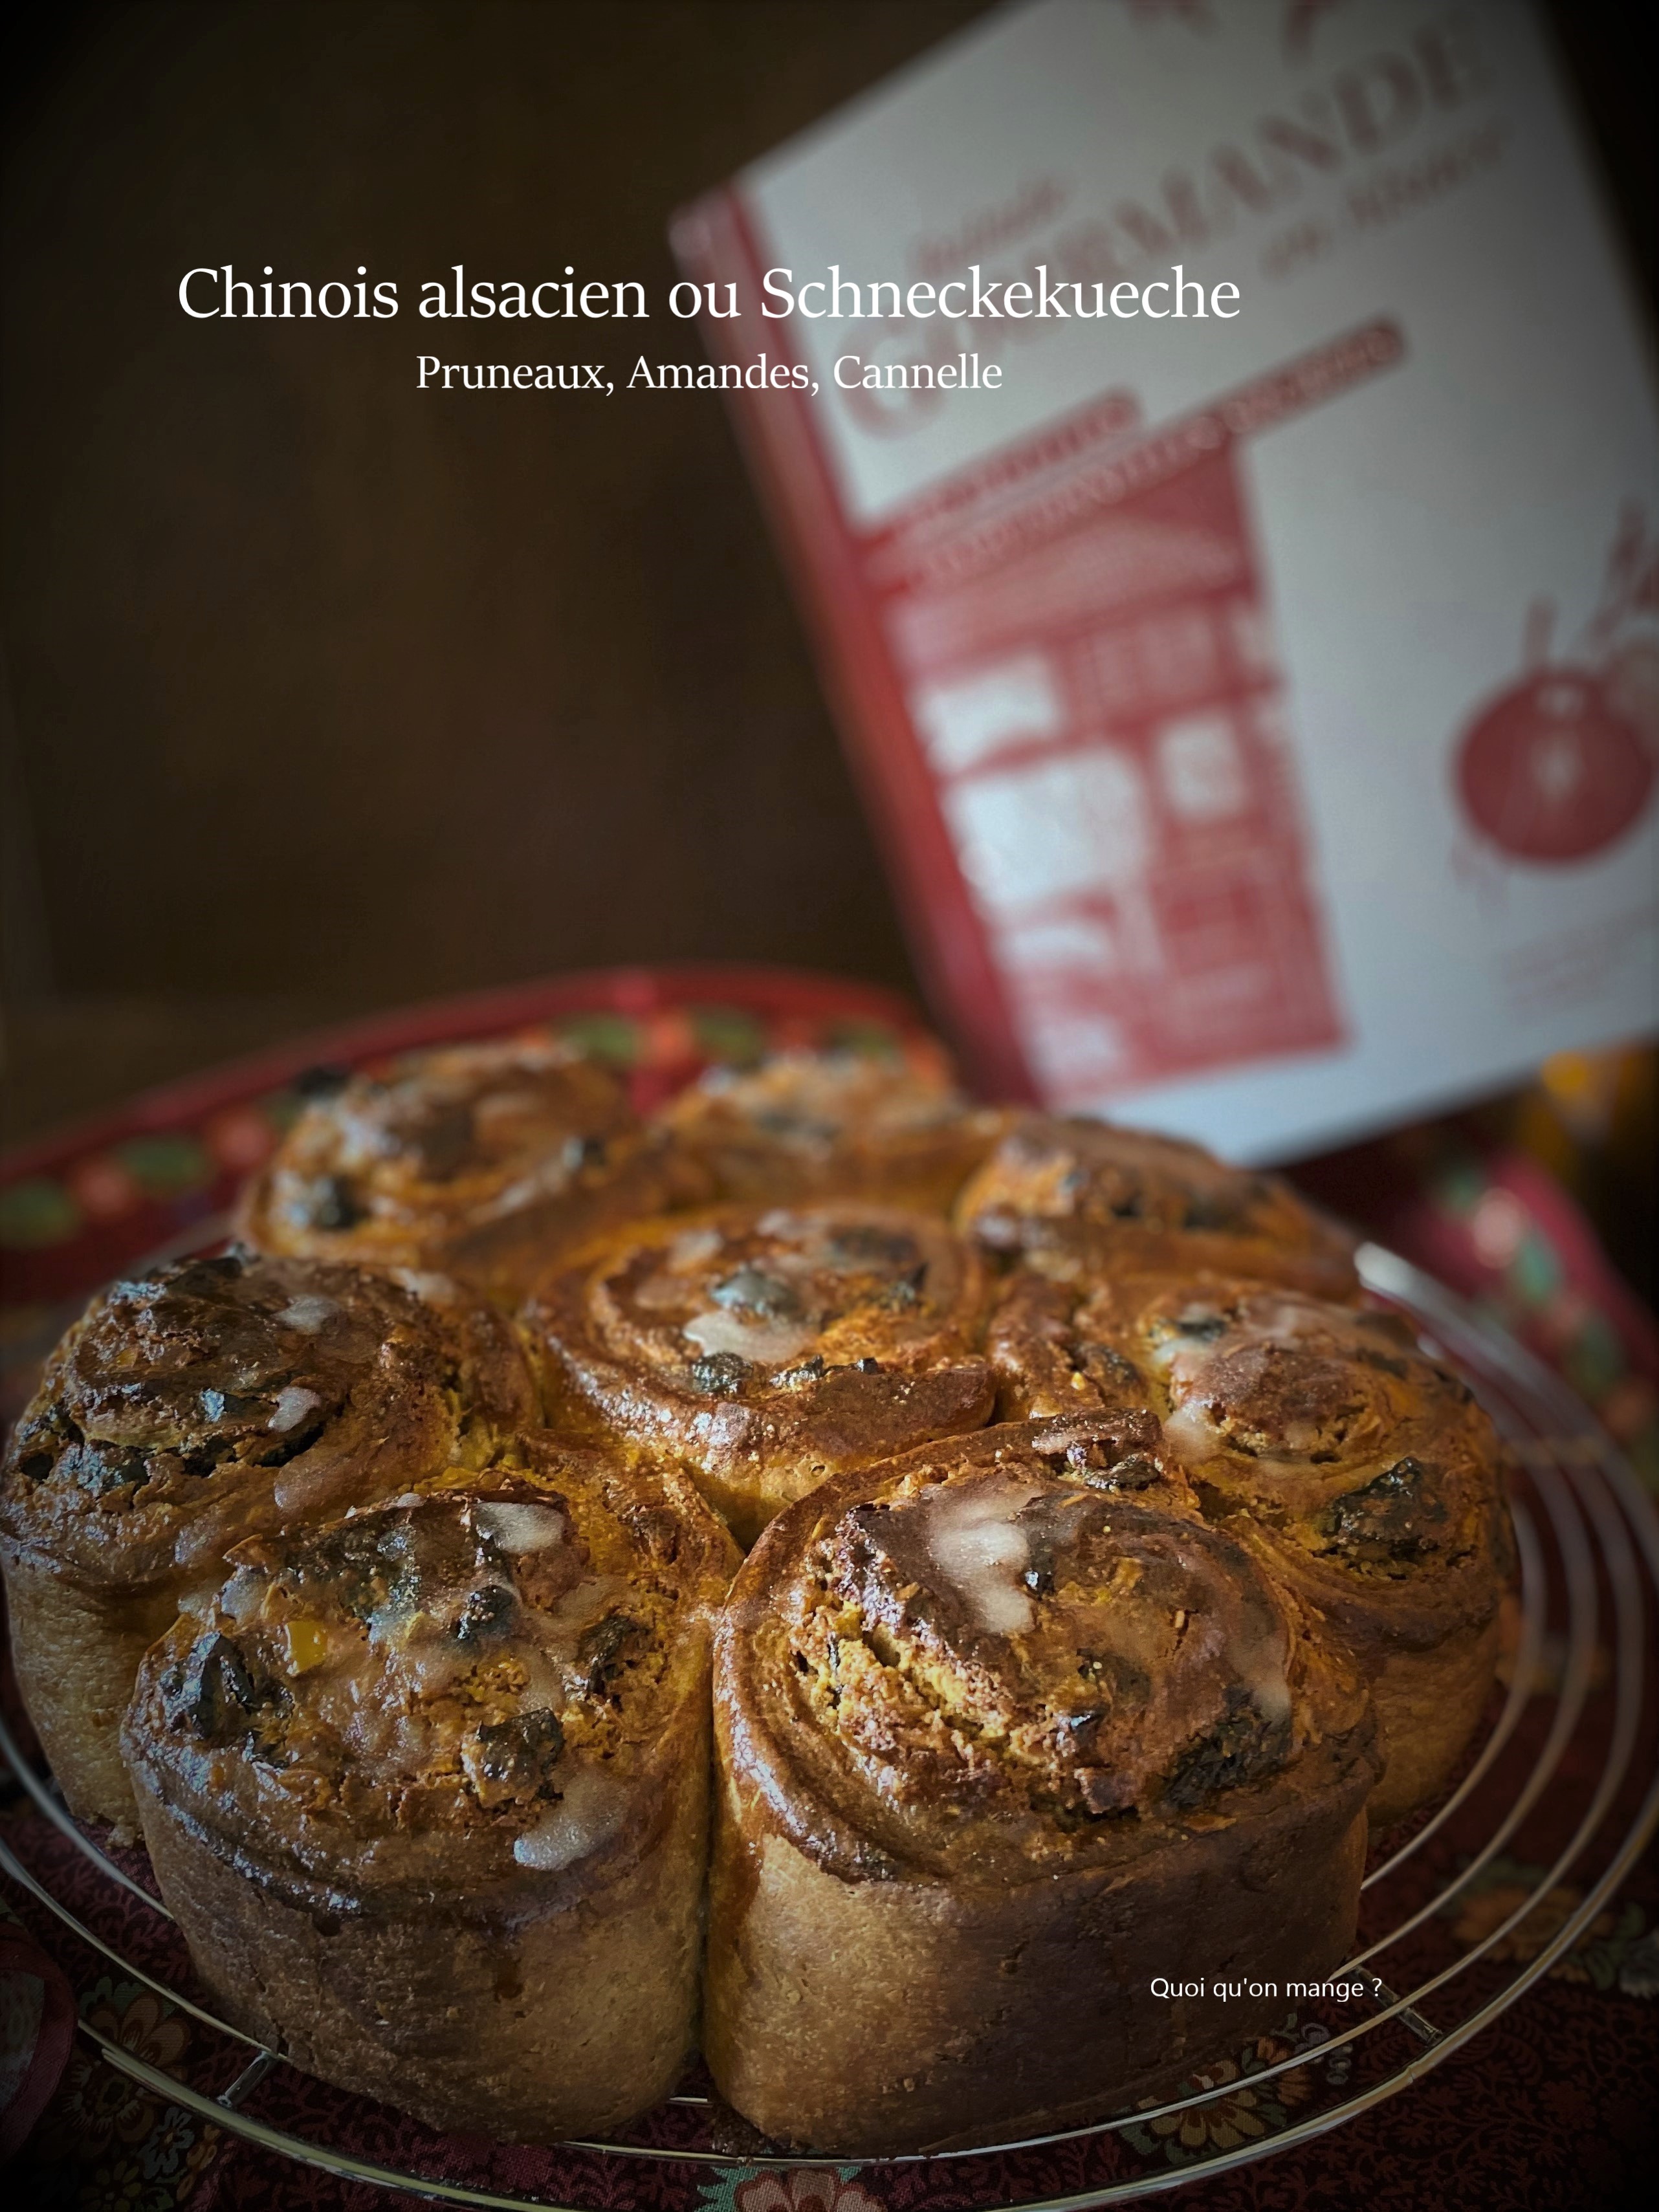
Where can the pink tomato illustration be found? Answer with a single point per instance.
(1550, 770)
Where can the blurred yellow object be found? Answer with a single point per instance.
(1592, 1119)
(307, 1645)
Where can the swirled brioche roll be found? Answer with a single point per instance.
(808, 1125)
(767, 1348)
(1073, 1196)
(427, 1790)
(480, 1161)
(196, 1405)
(1369, 1477)
(1003, 1736)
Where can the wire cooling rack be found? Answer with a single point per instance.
(1570, 1756)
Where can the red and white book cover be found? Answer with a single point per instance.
(1259, 706)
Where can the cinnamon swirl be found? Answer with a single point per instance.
(479, 1161)
(1006, 1734)
(1363, 1471)
(808, 1125)
(767, 1348)
(427, 1789)
(189, 1409)
(1076, 1196)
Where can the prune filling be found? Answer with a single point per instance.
(1244, 1744)
(1389, 1521)
(443, 1139)
(1223, 1209)
(751, 1289)
(321, 1082)
(331, 1202)
(103, 1468)
(1108, 1370)
(214, 1693)
(906, 1292)
(100, 1467)
(1118, 1453)
(487, 1612)
(519, 1753)
(603, 1648)
(718, 1374)
(863, 1244)
(44, 1442)
(1202, 1325)
(345, 1568)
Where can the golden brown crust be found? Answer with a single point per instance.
(196, 1405)
(1076, 1196)
(807, 1126)
(1369, 1477)
(1005, 1731)
(768, 1348)
(461, 1738)
(482, 1162)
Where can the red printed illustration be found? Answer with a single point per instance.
(1561, 764)
(1084, 642)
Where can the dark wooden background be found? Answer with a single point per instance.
(327, 694)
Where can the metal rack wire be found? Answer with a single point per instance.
(1587, 1543)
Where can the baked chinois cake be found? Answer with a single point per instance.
(1121, 1563)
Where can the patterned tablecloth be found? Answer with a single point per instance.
(1552, 2104)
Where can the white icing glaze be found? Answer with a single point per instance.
(978, 1550)
(1300, 1438)
(1182, 1356)
(693, 1246)
(588, 1814)
(389, 1623)
(768, 1342)
(1284, 1321)
(291, 1408)
(1258, 1663)
(505, 1106)
(430, 1663)
(1190, 1433)
(521, 1527)
(309, 1312)
(545, 1688)
(549, 1178)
